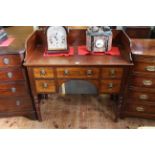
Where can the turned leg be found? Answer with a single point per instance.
(37, 106)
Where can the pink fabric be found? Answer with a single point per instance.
(83, 51)
(70, 52)
(7, 42)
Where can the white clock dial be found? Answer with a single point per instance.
(99, 43)
(56, 38)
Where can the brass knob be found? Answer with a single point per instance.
(140, 109)
(147, 82)
(45, 85)
(42, 72)
(10, 75)
(143, 97)
(13, 90)
(18, 103)
(112, 72)
(150, 68)
(66, 72)
(89, 72)
(6, 61)
(110, 85)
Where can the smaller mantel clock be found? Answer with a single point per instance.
(56, 39)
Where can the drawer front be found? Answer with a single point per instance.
(10, 60)
(143, 82)
(13, 89)
(15, 104)
(110, 86)
(133, 107)
(11, 74)
(144, 67)
(43, 72)
(45, 86)
(141, 96)
(112, 72)
(77, 72)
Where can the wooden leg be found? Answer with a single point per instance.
(32, 116)
(37, 106)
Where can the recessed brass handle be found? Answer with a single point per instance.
(18, 103)
(10, 75)
(6, 61)
(143, 97)
(45, 85)
(13, 90)
(112, 72)
(147, 82)
(66, 72)
(110, 85)
(42, 72)
(89, 72)
(140, 109)
(150, 68)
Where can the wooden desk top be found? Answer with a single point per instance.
(37, 59)
(20, 33)
(145, 47)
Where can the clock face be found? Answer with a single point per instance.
(99, 43)
(56, 38)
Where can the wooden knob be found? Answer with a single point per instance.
(140, 109)
(150, 68)
(147, 82)
(42, 72)
(6, 61)
(112, 72)
(13, 90)
(89, 72)
(10, 75)
(45, 85)
(110, 85)
(143, 97)
(18, 103)
(66, 72)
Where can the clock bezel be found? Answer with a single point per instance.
(56, 50)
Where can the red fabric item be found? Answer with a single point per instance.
(83, 51)
(70, 52)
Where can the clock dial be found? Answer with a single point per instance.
(99, 43)
(56, 38)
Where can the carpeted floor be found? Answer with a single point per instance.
(76, 111)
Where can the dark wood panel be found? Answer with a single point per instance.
(16, 104)
(13, 89)
(112, 72)
(110, 86)
(11, 74)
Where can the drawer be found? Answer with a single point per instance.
(112, 72)
(11, 74)
(110, 86)
(13, 89)
(141, 96)
(133, 107)
(10, 60)
(45, 86)
(144, 67)
(15, 104)
(77, 72)
(43, 72)
(145, 82)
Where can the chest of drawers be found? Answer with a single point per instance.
(140, 93)
(15, 94)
